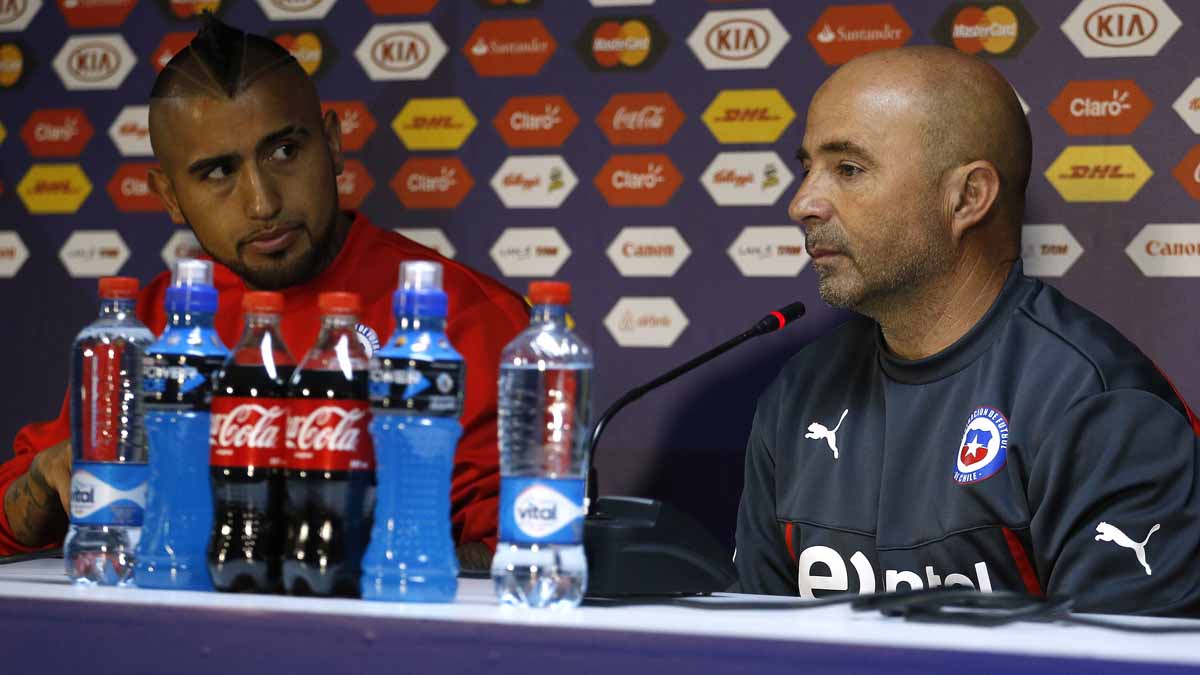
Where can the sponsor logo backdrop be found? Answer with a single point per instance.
(641, 150)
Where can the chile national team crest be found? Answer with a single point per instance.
(984, 446)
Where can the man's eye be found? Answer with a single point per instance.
(284, 152)
(218, 172)
(849, 170)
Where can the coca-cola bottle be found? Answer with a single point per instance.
(330, 470)
(246, 453)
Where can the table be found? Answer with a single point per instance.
(48, 625)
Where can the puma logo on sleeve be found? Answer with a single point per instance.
(818, 431)
(1108, 532)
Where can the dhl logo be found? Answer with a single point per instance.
(748, 115)
(434, 123)
(1098, 173)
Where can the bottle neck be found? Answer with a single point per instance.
(188, 319)
(260, 322)
(431, 324)
(117, 308)
(333, 325)
(544, 314)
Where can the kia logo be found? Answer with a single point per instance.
(400, 51)
(737, 39)
(94, 61)
(1121, 25)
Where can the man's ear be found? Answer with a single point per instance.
(333, 136)
(974, 188)
(165, 189)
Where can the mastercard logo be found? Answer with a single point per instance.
(992, 29)
(12, 64)
(307, 48)
(626, 44)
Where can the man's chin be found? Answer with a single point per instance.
(270, 274)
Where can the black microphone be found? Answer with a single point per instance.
(645, 547)
(768, 324)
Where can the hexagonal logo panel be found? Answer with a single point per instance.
(1048, 250)
(432, 237)
(1098, 173)
(129, 188)
(96, 61)
(648, 251)
(1187, 172)
(655, 321)
(638, 180)
(181, 244)
(13, 253)
(356, 122)
(15, 15)
(390, 7)
(434, 123)
(171, 44)
(509, 47)
(130, 131)
(1100, 107)
(535, 121)
(1188, 105)
(530, 252)
(616, 44)
(640, 119)
(1117, 28)
(57, 132)
(843, 32)
(295, 10)
(354, 183)
(54, 188)
(312, 49)
(1167, 250)
(748, 116)
(996, 28)
(93, 253)
(746, 178)
(769, 251)
(534, 182)
(95, 13)
(738, 39)
(432, 182)
(400, 51)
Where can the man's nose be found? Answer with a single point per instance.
(260, 195)
(810, 205)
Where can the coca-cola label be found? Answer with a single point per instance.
(182, 381)
(247, 432)
(430, 387)
(329, 435)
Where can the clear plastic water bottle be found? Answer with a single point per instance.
(545, 419)
(177, 393)
(417, 382)
(108, 442)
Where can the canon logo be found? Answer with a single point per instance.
(94, 61)
(737, 39)
(1120, 25)
(1090, 107)
(328, 428)
(837, 579)
(646, 117)
(400, 51)
(527, 121)
(632, 250)
(134, 187)
(247, 426)
(649, 179)
(1163, 248)
(443, 182)
(732, 177)
(57, 133)
(134, 129)
(522, 181)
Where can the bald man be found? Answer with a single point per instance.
(972, 427)
(249, 163)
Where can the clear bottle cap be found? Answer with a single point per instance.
(190, 272)
(420, 275)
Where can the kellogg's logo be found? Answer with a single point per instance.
(129, 189)
(638, 180)
(1107, 28)
(1187, 172)
(432, 182)
(400, 51)
(846, 31)
(59, 132)
(640, 119)
(611, 44)
(509, 47)
(534, 181)
(535, 121)
(746, 178)
(987, 29)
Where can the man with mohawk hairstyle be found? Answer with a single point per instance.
(248, 161)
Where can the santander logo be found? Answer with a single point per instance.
(326, 429)
(247, 426)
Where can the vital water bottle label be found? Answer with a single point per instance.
(108, 494)
(433, 388)
(179, 380)
(247, 432)
(329, 435)
(541, 510)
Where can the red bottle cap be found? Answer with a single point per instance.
(118, 288)
(339, 303)
(549, 292)
(262, 302)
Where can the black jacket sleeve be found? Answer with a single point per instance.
(1114, 494)
(763, 563)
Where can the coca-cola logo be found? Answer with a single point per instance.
(640, 119)
(327, 429)
(249, 425)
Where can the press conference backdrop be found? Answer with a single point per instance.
(642, 150)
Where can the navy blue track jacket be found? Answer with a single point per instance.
(1041, 452)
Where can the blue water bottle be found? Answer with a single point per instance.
(416, 400)
(108, 442)
(177, 392)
